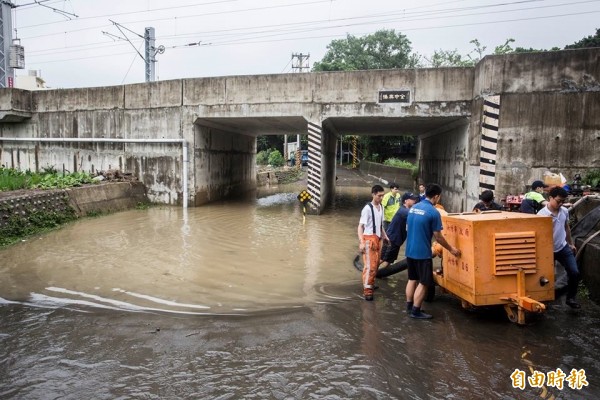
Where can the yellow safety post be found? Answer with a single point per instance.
(304, 197)
(298, 159)
(354, 152)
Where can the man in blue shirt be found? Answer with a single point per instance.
(424, 222)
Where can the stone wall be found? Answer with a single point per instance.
(100, 198)
(23, 203)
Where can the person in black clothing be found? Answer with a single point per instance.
(487, 202)
(534, 201)
(397, 230)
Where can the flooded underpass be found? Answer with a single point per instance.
(241, 299)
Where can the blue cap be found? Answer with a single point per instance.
(409, 195)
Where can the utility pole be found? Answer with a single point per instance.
(12, 54)
(7, 73)
(301, 62)
(150, 51)
(150, 54)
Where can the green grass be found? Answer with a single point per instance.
(395, 162)
(12, 179)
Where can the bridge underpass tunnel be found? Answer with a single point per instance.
(224, 161)
(441, 152)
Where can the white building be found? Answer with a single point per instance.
(31, 81)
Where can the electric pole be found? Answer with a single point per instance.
(7, 73)
(300, 62)
(150, 54)
(150, 51)
(12, 54)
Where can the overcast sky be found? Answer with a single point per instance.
(242, 37)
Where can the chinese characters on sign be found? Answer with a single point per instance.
(575, 380)
(394, 96)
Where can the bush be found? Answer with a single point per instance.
(12, 179)
(394, 162)
(592, 178)
(262, 158)
(270, 156)
(276, 159)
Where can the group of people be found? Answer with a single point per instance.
(415, 221)
(534, 202)
(390, 219)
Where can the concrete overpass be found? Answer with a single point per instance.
(498, 125)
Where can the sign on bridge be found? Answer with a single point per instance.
(394, 96)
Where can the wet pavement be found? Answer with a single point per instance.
(241, 300)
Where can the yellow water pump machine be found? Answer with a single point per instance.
(507, 259)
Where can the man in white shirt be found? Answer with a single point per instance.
(370, 234)
(564, 248)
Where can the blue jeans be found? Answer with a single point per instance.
(566, 258)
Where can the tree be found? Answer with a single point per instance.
(452, 58)
(505, 48)
(448, 58)
(532, 50)
(276, 159)
(590, 41)
(479, 49)
(384, 49)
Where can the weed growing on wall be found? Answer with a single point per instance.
(395, 162)
(592, 178)
(142, 206)
(12, 179)
(18, 227)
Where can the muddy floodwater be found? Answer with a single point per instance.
(242, 299)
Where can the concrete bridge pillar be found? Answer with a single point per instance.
(315, 134)
(321, 165)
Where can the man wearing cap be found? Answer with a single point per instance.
(397, 229)
(534, 201)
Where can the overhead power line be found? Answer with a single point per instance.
(343, 35)
(187, 16)
(403, 15)
(283, 32)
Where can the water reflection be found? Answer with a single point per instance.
(225, 258)
(242, 300)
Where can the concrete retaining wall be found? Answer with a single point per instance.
(106, 197)
(22, 203)
(100, 198)
(402, 176)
